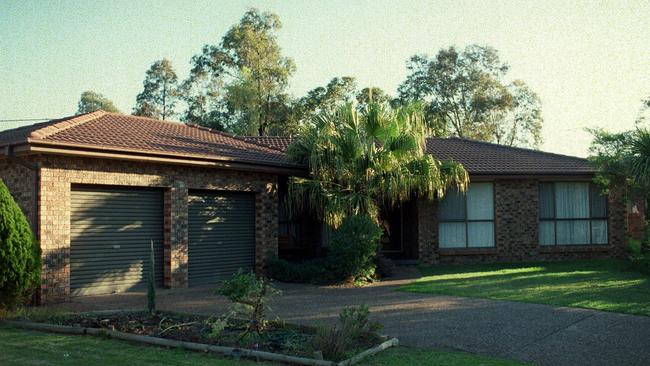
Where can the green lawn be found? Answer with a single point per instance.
(25, 348)
(608, 285)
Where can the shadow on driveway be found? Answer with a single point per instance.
(539, 334)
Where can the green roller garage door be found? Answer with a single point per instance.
(110, 234)
(221, 235)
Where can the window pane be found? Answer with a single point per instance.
(572, 232)
(480, 201)
(546, 209)
(571, 200)
(452, 235)
(452, 206)
(599, 231)
(480, 234)
(547, 233)
(598, 202)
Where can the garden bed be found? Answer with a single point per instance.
(280, 342)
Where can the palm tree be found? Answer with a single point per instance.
(639, 159)
(360, 161)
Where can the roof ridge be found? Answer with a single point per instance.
(145, 118)
(65, 123)
(507, 147)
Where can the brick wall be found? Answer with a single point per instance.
(636, 218)
(516, 230)
(59, 173)
(21, 182)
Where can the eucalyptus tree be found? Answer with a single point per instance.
(465, 92)
(241, 83)
(361, 161)
(91, 101)
(160, 94)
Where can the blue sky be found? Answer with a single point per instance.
(589, 61)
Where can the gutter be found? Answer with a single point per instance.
(79, 150)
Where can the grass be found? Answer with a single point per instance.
(25, 348)
(609, 285)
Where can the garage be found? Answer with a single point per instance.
(221, 235)
(111, 229)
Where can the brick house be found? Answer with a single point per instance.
(521, 205)
(100, 189)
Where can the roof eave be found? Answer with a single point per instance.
(50, 148)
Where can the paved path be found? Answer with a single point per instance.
(539, 334)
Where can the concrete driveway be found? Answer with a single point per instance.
(538, 334)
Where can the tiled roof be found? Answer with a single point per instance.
(276, 142)
(112, 131)
(145, 135)
(486, 158)
(483, 157)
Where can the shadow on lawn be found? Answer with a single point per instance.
(602, 285)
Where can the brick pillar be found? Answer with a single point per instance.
(176, 234)
(266, 225)
(636, 218)
(427, 231)
(617, 221)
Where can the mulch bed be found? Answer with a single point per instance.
(280, 337)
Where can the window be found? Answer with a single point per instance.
(572, 213)
(467, 220)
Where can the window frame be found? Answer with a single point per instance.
(555, 219)
(466, 221)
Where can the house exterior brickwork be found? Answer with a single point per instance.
(21, 182)
(516, 230)
(58, 174)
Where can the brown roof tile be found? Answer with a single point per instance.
(150, 136)
(486, 158)
(280, 143)
(145, 135)
(482, 157)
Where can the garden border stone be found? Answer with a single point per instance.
(200, 347)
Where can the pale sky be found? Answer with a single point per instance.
(588, 61)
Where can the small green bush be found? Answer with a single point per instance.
(634, 247)
(351, 257)
(20, 267)
(315, 271)
(353, 327)
(353, 248)
(250, 296)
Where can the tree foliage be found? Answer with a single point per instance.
(19, 254)
(91, 101)
(361, 160)
(623, 158)
(240, 85)
(326, 99)
(160, 95)
(465, 93)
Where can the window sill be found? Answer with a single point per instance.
(467, 251)
(575, 248)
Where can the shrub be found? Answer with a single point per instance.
(250, 296)
(350, 257)
(353, 248)
(151, 283)
(385, 266)
(19, 254)
(353, 326)
(318, 271)
(639, 257)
